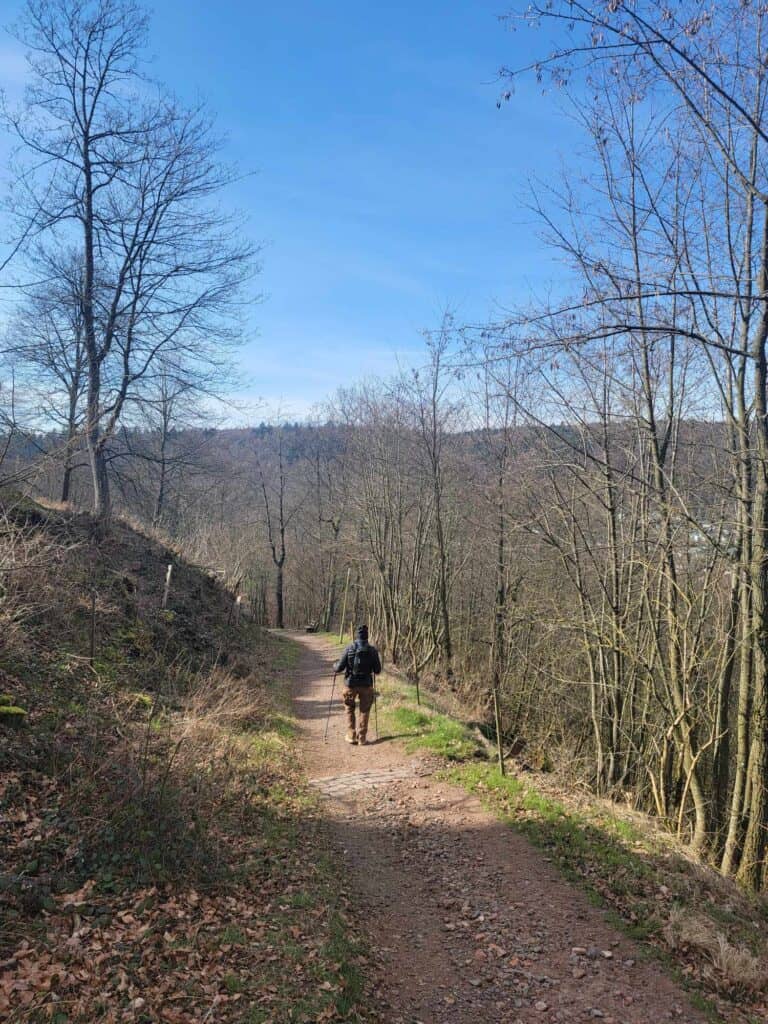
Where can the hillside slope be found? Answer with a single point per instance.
(159, 859)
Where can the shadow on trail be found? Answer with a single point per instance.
(464, 908)
(308, 708)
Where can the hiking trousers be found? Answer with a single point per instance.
(365, 695)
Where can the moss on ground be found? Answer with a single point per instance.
(9, 713)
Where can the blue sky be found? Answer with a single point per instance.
(387, 184)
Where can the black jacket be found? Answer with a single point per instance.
(346, 663)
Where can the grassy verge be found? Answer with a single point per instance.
(431, 731)
(706, 932)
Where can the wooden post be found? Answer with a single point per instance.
(344, 608)
(234, 610)
(167, 587)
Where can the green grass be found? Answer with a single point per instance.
(283, 726)
(286, 654)
(234, 984)
(232, 936)
(436, 733)
(422, 726)
(576, 843)
(350, 954)
(333, 638)
(410, 720)
(270, 743)
(300, 900)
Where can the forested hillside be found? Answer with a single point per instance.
(495, 555)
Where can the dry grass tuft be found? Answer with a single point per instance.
(733, 968)
(25, 555)
(224, 700)
(741, 968)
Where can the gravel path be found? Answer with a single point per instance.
(468, 921)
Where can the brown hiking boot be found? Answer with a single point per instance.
(363, 730)
(352, 737)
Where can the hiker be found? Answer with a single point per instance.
(360, 662)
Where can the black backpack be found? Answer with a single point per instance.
(362, 661)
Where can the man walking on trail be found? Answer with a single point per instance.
(360, 662)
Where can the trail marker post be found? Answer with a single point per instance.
(167, 587)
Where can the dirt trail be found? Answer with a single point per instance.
(468, 921)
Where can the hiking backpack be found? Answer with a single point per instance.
(362, 661)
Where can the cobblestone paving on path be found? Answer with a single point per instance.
(340, 785)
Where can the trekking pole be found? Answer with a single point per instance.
(330, 707)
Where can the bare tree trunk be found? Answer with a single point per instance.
(280, 615)
(751, 868)
(497, 650)
(721, 756)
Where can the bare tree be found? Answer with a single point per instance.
(435, 414)
(111, 164)
(696, 286)
(281, 504)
